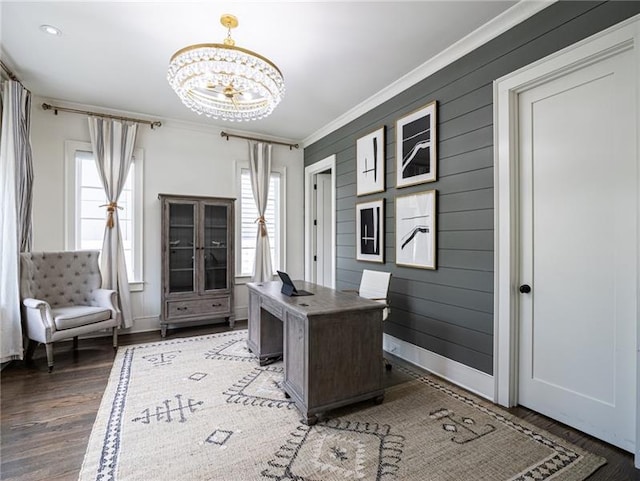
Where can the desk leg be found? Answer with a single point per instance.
(266, 360)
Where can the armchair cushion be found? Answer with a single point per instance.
(75, 316)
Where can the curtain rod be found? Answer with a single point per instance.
(151, 123)
(10, 74)
(227, 135)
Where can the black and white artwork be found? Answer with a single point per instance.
(370, 163)
(416, 230)
(416, 147)
(370, 231)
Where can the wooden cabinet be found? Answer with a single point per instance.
(197, 259)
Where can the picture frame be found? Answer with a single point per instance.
(370, 162)
(370, 231)
(416, 146)
(416, 230)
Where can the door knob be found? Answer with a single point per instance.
(525, 288)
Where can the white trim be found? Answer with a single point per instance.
(71, 189)
(471, 379)
(283, 218)
(310, 172)
(492, 29)
(241, 313)
(637, 60)
(621, 37)
(138, 225)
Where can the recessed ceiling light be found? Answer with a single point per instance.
(51, 30)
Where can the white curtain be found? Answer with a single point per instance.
(112, 143)
(16, 177)
(260, 171)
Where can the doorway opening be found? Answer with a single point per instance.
(320, 222)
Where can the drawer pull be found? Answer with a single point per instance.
(216, 305)
(182, 308)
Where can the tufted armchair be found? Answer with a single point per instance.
(62, 298)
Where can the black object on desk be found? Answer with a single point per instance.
(288, 289)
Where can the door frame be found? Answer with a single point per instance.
(310, 173)
(621, 37)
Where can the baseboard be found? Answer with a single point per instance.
(242, 313)
(147, 324)
(142, 324)
(471, 379)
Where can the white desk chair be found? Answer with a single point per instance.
(374, 285)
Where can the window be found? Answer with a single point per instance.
(86, 212)
(248, 227)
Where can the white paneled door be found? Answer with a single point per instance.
(578, 183)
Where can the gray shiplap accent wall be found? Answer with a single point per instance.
(449, 311)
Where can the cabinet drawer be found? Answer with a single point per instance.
(198, 307)
(271, 306)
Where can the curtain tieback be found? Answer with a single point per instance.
(262, 225)
(111, 208)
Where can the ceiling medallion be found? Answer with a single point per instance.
(226, 82)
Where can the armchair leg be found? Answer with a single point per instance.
(115, 338)
(49, 347)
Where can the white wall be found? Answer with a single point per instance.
(179, 158)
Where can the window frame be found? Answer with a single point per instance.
(282, 171)
(72, 194)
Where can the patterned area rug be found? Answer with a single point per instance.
(202, 408)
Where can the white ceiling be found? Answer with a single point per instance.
(333, 55)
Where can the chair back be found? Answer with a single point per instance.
(375, 285)
(60, 278)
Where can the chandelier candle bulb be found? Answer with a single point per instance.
(226, 82)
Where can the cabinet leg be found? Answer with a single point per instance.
(378, 399)
(231, 320)
(309, 420)
(163, 330)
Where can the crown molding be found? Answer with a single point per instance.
(490, 30)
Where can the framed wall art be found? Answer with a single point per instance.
(370, 231)
(416, 230)
(416, 141)
(370, 163)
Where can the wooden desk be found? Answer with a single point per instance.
(331, 344)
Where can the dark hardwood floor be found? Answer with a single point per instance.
(46, 419)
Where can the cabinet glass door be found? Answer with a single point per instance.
(182, 248)
(216, 243)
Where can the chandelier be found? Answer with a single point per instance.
(226, 82)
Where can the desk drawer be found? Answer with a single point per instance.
(196, 307)
(272, 306)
